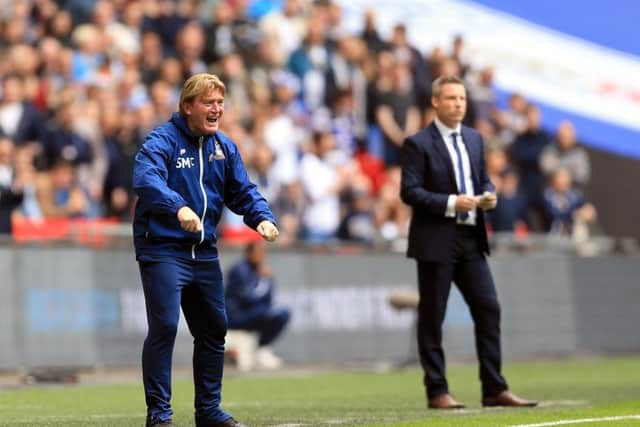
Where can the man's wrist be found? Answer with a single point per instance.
(450, 212)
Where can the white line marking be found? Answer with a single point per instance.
(552, 403)
(579, 421)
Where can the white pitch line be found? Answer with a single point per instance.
(579, 421)
(552, 403)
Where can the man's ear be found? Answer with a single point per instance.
(187, 108)
(434, 101)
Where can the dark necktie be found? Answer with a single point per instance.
(463, 186)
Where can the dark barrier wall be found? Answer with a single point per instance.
(614, 192)
(76, 307)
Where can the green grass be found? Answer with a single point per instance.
(568, 389)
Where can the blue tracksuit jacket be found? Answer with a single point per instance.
(175, 168)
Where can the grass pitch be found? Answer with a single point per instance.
(599, 392)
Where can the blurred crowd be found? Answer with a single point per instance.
(318, 113)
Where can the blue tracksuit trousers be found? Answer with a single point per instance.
(197, 287)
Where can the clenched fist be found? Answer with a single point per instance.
(268, 231)
(189, 221)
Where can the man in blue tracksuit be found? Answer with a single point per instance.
(183, 174)
(249, 295)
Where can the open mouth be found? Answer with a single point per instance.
(212, 120)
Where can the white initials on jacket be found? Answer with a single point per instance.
(185, 162)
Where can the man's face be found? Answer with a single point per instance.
(204, 112)
(451, 104)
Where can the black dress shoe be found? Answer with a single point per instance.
(444, 401)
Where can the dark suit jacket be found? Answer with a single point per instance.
(427, 181)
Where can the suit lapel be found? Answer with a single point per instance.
(472, 151)
(441, 148)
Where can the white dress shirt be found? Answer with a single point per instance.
(466, 170)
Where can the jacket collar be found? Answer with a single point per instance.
(446, 131)
(179, 121)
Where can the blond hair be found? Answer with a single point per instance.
(199, 85)
(436, 86)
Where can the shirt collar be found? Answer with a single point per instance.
(446, 131)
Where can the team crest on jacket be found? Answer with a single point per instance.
(218, 154)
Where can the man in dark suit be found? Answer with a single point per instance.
(444, 180)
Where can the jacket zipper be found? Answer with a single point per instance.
(204, 198)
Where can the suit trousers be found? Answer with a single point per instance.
(468, 269)
(197, 287)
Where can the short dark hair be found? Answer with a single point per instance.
(436, 86)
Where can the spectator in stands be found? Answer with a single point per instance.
(171, 72)
(397, 113)
(482, 95)
(50, 72)
(526, 152)
(163, 98)
(510, 212)
(88, 54)
(346, 76)
(249, 299)
(310, 63)
(59, 26)
(404, 52)
(565, 207)
(219, 36)
(358, 221)
(285, 28)
(434, 61)
(19, 120)
(164, 19)
(262, 174)
(59, 193)
(10, 190)
(380, 82)
(565, 153)
(289, 208)
(392, 215)
(190, 45)
(62, 141)
(123, 140)
(322, 182)
(370, 34)
(343, 123)
(513, 121)
(117, 36)
(26, 176)
(283, 136)
(151, 57)
(236, 78)
(497, 161)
